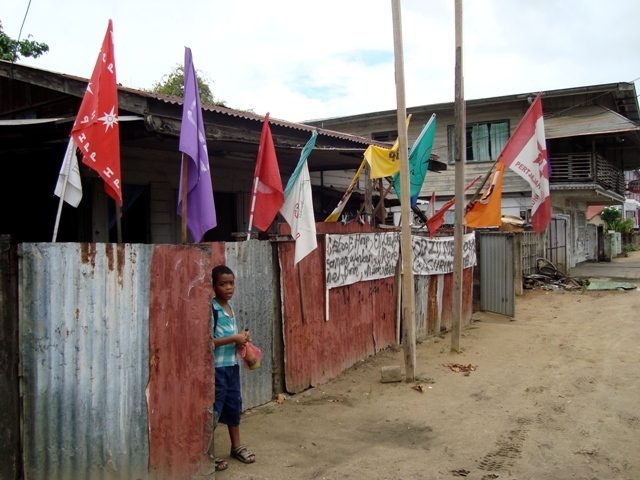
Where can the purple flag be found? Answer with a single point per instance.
(201, 211)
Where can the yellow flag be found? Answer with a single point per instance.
(384, 162)
(335, 215)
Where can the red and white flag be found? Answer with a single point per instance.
(526, 154)
(96, 130)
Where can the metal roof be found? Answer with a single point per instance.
(624, 94)
(586, 120)
(76, 86)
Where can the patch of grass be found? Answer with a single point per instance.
(268, 410)
(421, 379)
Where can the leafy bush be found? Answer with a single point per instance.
(612, 217)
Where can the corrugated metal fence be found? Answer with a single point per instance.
(85, 358)
(117, 377)
(256, 305)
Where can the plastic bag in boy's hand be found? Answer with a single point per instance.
(251, 356)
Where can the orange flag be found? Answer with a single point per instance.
(436, 221)
(487, 212)
(96, 130)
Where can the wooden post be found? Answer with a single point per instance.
(184, 187)
(119, 222)
(408, 302)
(460, 159)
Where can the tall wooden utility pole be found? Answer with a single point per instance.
(408, 302)
(460, 156)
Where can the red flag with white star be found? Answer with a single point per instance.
(96, 130)
(526, 154)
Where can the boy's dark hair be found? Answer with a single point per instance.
(220, 270)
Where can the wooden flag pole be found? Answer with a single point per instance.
(460, 159)
(184, 187)
(64, 192)
(383, 195)
(408, 295)
(484, 181)
(119, 221)
(256, 182)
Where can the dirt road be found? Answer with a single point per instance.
(554, 396)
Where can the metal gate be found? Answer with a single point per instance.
(557, 242)
(497, 292)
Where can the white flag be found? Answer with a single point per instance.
(297, 208)
(73, 192)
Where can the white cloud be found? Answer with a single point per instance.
(307, 60)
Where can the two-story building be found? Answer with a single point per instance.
(593, 137)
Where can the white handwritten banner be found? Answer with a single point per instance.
(432, 256)
(361, 256)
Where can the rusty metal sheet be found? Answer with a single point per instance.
(181, 387)
(434, 295)
(84, 355)
(361, 317)
(254, 303)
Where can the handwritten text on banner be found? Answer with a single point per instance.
(368, 256)
(432, 256)
(360, 256)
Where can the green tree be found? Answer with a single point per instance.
(612, 217)
(11, 49)
(173, 84)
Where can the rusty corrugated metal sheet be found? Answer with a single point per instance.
(434, 307)
(361, 316)
(181, 387)
(254, 305)
(84, 353)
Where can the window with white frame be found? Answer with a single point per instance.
(485, 141)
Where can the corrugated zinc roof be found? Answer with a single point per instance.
(587, 120)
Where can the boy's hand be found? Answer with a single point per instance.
(242, 338)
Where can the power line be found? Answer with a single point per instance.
(15, 51)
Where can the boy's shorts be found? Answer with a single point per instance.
(228, 404)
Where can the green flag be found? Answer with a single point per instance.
(419, 155)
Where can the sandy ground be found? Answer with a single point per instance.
(554, 396)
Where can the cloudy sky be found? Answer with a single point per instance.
(303, 60)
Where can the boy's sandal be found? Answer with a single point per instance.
(220, 463)
(243, 454)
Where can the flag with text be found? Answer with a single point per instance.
(526, 154)
(96, 130)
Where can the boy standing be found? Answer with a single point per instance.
(226, 339)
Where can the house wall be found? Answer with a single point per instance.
(442, 182)
(161, 174)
